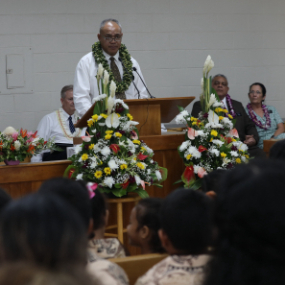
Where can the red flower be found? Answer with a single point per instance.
(31, 149)
(23, 133)
(126, 184)
(201, 148)
(228, 139)
(71, 171)
(142, 156)
(45, 142)
(12, 147)
(115, 148)
(188, 176)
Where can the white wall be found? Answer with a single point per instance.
(169, 38)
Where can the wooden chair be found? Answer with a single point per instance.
(136, 266)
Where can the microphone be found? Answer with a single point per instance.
(132, 78)
(134, 69)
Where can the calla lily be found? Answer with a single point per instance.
(141, 156)
(213, 118)
(91, 188)
(233, 133)
(192, 133)
(115, 148)
(188, 176)
(112, 121)
(126, 184)
(87, 138)
(201, 172)
(110, 104)
(112, 88)
(201, 148)
(143, 184)
(100, 71)
(134, 135)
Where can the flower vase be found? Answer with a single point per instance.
(11, 162)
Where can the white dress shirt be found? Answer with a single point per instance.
(85, 82)
(49, 127)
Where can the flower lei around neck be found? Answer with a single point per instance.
(252, 116)
(230, 105)
(66, 131)
(126, 58)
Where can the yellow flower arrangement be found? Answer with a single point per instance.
(91, 146)
(123, 166)
(214, 133)
(95, 118)
(137, 142)
(118, 135)
(104, 116)
(130, 116)
(223, 154)
(90, 123)
(188, 156)
(221, 117)
(108, 136)
(108, 132)
(230, 116)
(238, 160)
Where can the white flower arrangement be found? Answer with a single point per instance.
(211, 142)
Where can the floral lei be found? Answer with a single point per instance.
(229, 102)
(65, 129)
(126, 58)
(256, 121)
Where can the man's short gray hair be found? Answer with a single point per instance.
(64, 90)
(110, 20)
(220, 75)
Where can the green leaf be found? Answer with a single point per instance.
(157, 185)
(164, 173)
(120, 192)
(180, 108)
(178, 181)
(197, 185)
(142, 193)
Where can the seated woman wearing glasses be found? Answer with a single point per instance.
(268, 122)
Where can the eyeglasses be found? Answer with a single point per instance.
(110, 39)
(257, 92)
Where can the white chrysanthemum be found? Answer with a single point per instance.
(148, 149)
(129, 125)
(97, 147)
(196, 168)
(112, 88)
(98, 98)
(158, 175)
(227, 122)
(218, 142)
(184, 145)
(215, 152)
(93, 165)
(9, 131)
(112, 164)
(194, 152)
(213, 125)
(109, 181)
(105, 151)
(240, 146)
(201, 133)
(35, 141)
(148, 171)
(122, 103)
(234, 153)
(77, 148)
(138, 180)
(17, 145)
(79, 176)
(179, 119)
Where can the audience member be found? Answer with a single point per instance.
(5, 198)
(27, 274)
(59, 125)
(186, 232)
(144, 225)
(250, 219)
(277, 151)
(211, 182)
(44, 230)
(76, 194)
(103, 247)
(268, 122)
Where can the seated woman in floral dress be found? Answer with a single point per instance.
(268, 122)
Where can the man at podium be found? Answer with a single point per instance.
(115, 58)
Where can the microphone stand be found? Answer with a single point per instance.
(132, 77)
(134, 69)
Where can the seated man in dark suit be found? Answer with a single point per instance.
(245, 127)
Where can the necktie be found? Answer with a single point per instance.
(71, 126)
(117, 77)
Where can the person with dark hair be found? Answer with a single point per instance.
(28, 274)
(244, 126)
(59, 125)
(186, 233)
(277, 151)
(123, 69)
(267, 121)
(44, 230)
(76, 194)
(250, 220)
(103, 247)
(144, 225)
(5, 198)
(211, 182)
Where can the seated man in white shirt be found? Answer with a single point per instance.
(59, 125)
(116, 59)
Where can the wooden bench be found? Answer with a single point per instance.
(136, 266)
